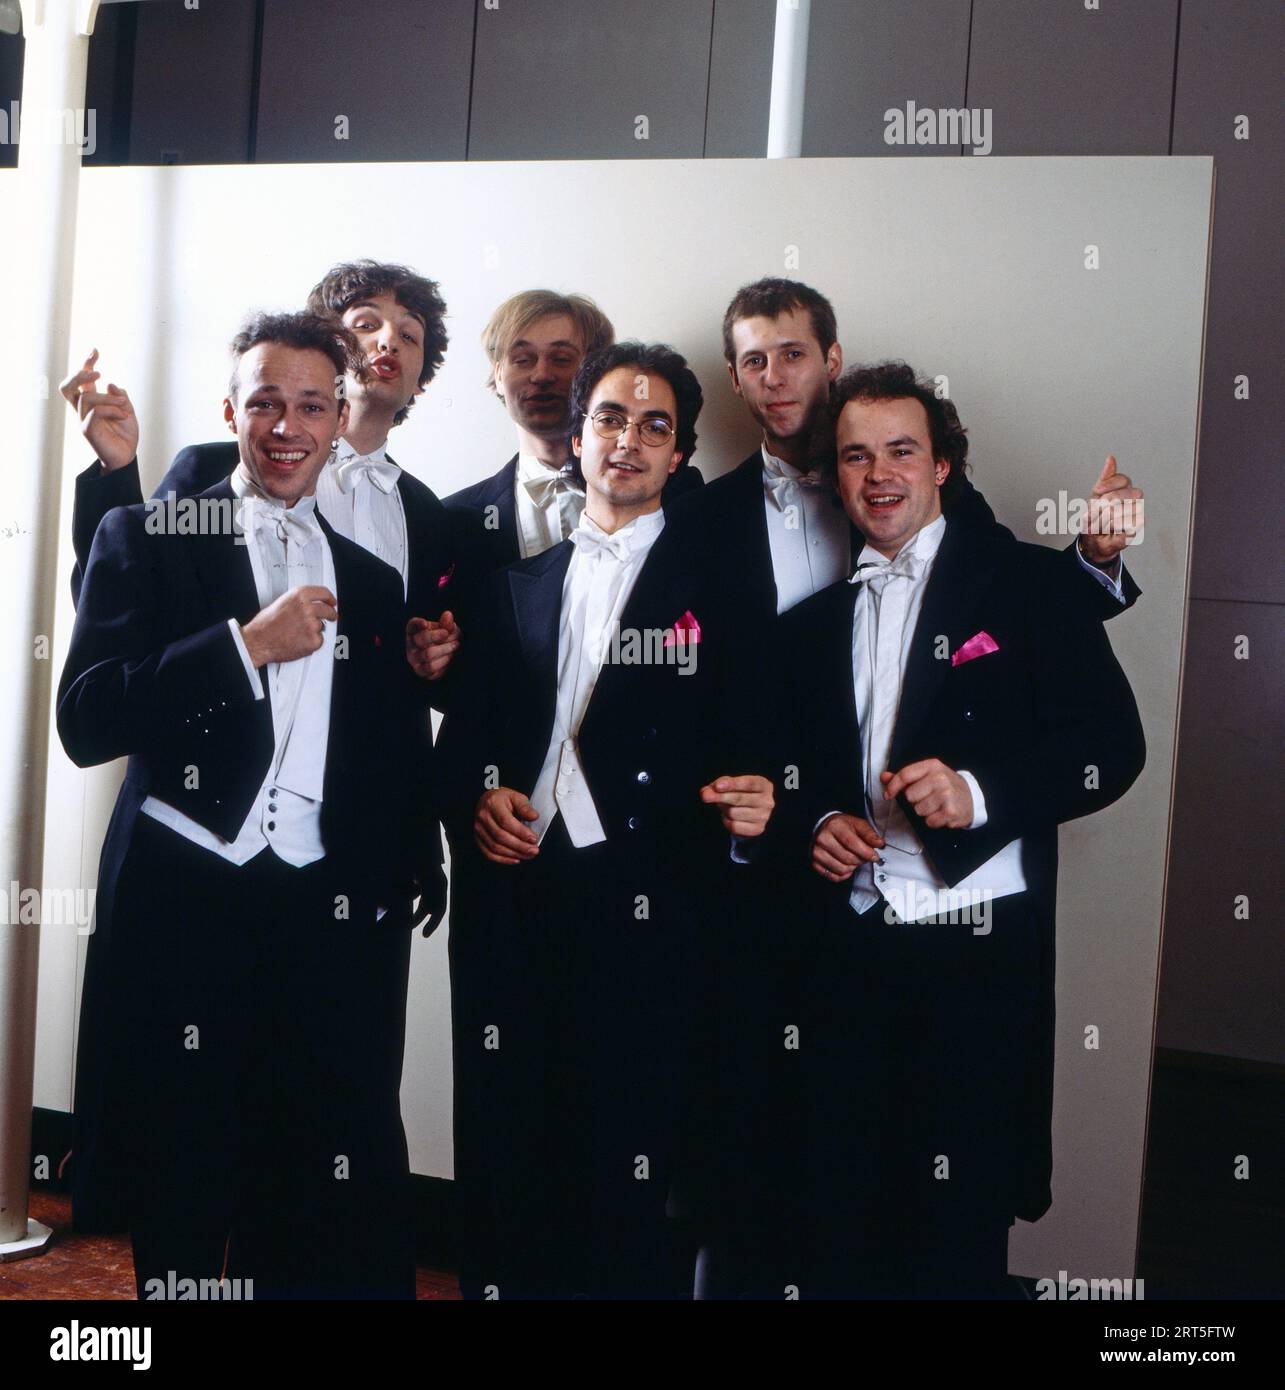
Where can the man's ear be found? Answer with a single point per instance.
(941, 471)
(495, 380)
(342, 424)
(576, 447)
(229, 413)
(675, 460)
(834, 362)
(736, 381)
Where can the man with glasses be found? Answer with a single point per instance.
(534, 342)
(588, 771)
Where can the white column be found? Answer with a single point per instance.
(789, 79)
(52, 123)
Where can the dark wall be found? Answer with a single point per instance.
(241, 80)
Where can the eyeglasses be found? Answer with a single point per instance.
(611, 424)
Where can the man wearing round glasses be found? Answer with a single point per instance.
(591, 749)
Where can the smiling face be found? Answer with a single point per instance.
(533, 377)
(392, 342)
(887, 477)
(285, 416)
(784, 377)
(625, 476)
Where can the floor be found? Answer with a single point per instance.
(1206, 1232)
(102, 1267)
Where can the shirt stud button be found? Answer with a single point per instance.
(644, 777)
(272, 825)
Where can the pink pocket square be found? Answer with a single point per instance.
(686, 629)
(446, 578)
(980, 644)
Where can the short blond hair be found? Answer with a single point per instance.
(508, 323)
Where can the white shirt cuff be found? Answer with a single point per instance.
(979, 801)
(255, 683)
(823, 820)
(1112, 580)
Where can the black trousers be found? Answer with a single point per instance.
(895, 1141)
(254, 1037)
(573, 1013)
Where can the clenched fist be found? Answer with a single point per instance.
(290, 627)
(499, 826)
(744, 803)
(430, 645)
(842, 843)
(939, 795)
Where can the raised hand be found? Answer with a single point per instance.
(1115, 516)
(107, 417)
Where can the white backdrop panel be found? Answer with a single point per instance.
(972, 268)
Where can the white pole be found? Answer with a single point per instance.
(789, 79)
(52, 124)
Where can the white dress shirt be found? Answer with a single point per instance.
(884, 617)
(807, 531)
(549, 504)
(358, 495)
(286, 548)
(599, 580)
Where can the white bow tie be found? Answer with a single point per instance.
(783, 490)
(599, 543)
(543, 490)
(376, 467)
(293, 525)
(878, 574)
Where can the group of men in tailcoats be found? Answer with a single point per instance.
(719, 764)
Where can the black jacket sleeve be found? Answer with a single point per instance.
(97, 492)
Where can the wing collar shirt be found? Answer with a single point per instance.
(286, 548)
(599, 580)
(884, 617)
(358, 495)
(809, 535)
(549, 503)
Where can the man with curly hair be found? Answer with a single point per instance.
(398, 319)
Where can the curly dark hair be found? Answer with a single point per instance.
(656, 359)
(353, 282)
(894, 381)
(298, 330)
(770, 298)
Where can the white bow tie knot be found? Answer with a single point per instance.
(374, 467)
(544, 491)
(879, 576)
(599, 543)
(783, 490)
(291, 525)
